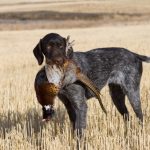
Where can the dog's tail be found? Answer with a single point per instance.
(143, 58)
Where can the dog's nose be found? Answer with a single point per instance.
(59, 61)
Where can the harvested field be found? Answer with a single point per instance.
(20, 114)
(92, 24)
(70, 14)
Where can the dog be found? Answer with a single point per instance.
(116, 67)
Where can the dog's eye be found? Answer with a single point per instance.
(49, 47)
(61, 46)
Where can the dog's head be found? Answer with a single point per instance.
(54, 48)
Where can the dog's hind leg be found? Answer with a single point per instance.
(134, 98)
(118, 98)
(132, 89)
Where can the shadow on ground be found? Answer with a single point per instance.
(31, 121)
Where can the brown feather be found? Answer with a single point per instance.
(84, 79)
(46, 93)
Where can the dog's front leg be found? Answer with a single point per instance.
(80, 121)
(76, 107)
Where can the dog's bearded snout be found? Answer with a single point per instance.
(56, 60)
(59, 61)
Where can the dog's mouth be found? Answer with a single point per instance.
(59, 61)
(48, 61)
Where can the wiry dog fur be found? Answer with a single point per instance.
(120, 68)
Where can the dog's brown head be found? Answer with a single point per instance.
(53, 47)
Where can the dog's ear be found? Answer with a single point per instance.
(37, 51)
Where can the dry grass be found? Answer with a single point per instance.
(20, 114)
(92, 6)
(38, 14)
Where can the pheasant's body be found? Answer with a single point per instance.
(69, 73)
(53, 77)
(46, 93)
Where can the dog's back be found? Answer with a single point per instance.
(99, 64)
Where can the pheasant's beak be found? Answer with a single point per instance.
(46, 120)
(48, 113)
